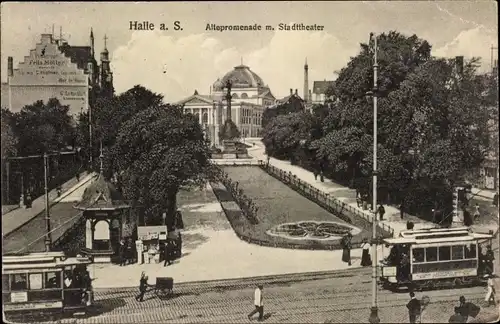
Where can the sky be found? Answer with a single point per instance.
(176, 63)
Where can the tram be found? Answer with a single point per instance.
(44, 283)
(435, 258)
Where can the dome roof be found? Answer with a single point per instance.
(243, 77)
(218, 85)
(101, 194)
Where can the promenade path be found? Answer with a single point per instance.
(24, 229)
(212, 251)
(16, 218)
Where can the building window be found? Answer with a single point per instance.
(204, 119)
(235, 96)
(244, 96)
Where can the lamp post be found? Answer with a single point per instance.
(374, 308)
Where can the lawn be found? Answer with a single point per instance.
(277, 204)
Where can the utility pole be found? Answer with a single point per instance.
(48, 235)
(374, 318)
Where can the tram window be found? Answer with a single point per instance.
(444, 253)
(470, 251)
(431, 254)
(19, 282)
(5, 282)
(35, 281)
(457, 252)
(52, 280)
(418, 255)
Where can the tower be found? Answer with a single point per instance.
(107, 88)
(92, 48)
(306, 82)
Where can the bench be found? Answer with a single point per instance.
(165, 285)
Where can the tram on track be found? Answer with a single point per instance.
(45, 283)
(435, 258)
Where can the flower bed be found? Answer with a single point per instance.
(277, 204)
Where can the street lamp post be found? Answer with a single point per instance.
(48, 235)
(374, 309)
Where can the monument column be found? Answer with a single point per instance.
(228, 99)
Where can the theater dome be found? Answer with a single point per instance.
(243, 77)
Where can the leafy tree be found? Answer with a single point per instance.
(156, 152)
(44, 127)
(291, 104)
(109, 113)
(9, 139)
(229, 131)
(285, 133)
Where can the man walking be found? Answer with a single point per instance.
(401, 210)
(381, 211)
(259, 305)
(122, 250)
(490, 294)
(143, 285)
(413, 308)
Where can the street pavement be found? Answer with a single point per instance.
(340, 297)
(212, 251)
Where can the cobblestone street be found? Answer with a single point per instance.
(340, 297)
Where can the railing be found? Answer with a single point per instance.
(235, 162)
(332, 204)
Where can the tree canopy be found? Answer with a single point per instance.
(432, 123)
(157, 151)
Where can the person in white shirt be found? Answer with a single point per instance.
(476, 212)
(259, 305)
(490, 294)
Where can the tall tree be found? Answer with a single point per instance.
(156, 152)
(9, 139)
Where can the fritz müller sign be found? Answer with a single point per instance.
(51, 60)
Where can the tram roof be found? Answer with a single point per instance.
(437, 235)
(41, 260)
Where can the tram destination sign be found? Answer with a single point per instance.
(444, 274)
(26, 306)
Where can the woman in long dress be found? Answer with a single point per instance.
(365, 257)
(346, 248)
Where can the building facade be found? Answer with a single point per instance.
(249, 97)
(55, 69)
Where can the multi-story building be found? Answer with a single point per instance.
(249, 97)
(55, 69)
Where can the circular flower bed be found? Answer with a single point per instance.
(313, 230)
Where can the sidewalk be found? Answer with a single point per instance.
(392, 217)
(17, 218)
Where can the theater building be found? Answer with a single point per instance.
(55, 69)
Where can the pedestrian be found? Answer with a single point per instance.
(463, 308)
(490, 294)
(381, 211)
(143, 285)
(401, 210)
(167, 254)
(122, 250)
(77, 176)
(130, 252)
(346, 248)
(315, 175)
(366, 260)
(457, 317)
(413, 308)
(476, 212)
(259, 305)
(495, 199)
(489, 258)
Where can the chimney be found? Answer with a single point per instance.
(10, 66)
(291, 91)
(296, 92)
